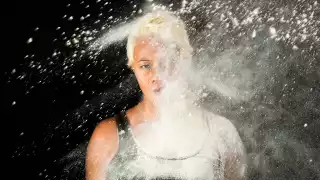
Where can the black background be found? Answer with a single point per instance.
(36, 145)
(48, 120)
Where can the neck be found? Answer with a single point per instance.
(149, 109)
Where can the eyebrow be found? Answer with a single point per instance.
(143, 59)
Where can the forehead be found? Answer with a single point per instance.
(152, 48)
(147, 46)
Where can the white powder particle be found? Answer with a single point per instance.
(30, 40)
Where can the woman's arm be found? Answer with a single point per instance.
(235, 166)
(233, 153)
(102, 147)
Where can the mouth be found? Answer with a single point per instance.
(157, 90)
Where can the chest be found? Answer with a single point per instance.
(132, 163)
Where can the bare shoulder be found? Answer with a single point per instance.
(106, 127)
(105, 136)
(224, 129)
(219, 123)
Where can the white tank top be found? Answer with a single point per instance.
(132, 162)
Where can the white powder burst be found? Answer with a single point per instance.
(233, 75)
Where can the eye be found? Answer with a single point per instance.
(146, 66)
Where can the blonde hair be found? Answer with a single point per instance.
(164, 26)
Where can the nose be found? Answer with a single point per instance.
(157, 82)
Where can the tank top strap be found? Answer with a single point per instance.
(122, 122)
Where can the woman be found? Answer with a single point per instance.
(117, 150)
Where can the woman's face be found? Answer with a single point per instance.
(153, 65)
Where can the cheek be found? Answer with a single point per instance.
(144, 78)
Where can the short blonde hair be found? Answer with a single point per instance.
(163, 25)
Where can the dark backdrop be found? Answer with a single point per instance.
(53, 99)
(43, 102)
